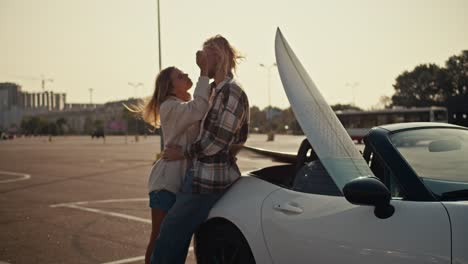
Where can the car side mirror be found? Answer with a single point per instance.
(370, 191)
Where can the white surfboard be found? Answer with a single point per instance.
(324, 131)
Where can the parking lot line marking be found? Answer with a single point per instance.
(97, 211)
(22, 176)
(129, 260)
(101, 201)
(78, 206)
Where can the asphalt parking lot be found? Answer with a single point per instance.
(77, 200)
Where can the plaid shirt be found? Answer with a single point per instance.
(225, 124)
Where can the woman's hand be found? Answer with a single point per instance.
(173, 152)
(235, 148)
(202, 62)
(186, 97)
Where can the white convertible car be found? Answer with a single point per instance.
(403, 200)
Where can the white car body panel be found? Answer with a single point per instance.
(331, 230)
(242, 206)
(458, 212)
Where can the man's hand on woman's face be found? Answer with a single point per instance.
(173, 152)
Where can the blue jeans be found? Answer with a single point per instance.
(189, 211)
(161, 199)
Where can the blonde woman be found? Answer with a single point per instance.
(179, 117)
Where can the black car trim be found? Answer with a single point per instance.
(413, 187)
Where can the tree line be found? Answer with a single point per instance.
(432, 85)
(39, 125)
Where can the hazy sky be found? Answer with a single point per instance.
(104, 44)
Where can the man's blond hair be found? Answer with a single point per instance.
(229, 56)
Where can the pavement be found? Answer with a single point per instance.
(78, 200)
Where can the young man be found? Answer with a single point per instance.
(214, 168)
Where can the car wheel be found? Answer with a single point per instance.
(221, 242)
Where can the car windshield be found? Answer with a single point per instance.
(439, 157)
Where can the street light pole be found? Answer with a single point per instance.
(271, 135)
(90, 95)
(135, 86)
(159, 36)
(161, 136)
(353, 87)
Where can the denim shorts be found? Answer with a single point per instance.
(161, 199)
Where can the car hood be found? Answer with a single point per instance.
(324, 131)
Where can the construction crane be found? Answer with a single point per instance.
(44, 80)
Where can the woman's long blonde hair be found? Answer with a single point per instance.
(149, 110)
(229, 56)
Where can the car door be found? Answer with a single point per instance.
(458, 211)
(310, 228)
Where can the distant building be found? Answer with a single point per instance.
(16, 104)
(81, 118)
(11, 110)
